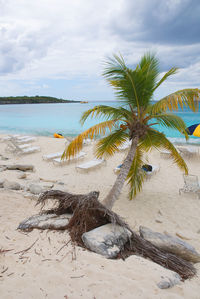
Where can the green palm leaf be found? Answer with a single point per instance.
(136, 176)
(155, 139)
(172, 121)
(107, 112)
(108, 145)
(171, 72)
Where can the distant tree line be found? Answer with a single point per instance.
(32, 100)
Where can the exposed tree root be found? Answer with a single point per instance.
(88, 213)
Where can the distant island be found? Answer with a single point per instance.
(33, 100)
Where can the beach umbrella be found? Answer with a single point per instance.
(194, 130)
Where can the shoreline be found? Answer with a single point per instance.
(46, 271)
(192, 141)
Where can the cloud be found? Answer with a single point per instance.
(164, 22)
(57, 41)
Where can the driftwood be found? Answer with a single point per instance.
(19, 167)
(88, 213)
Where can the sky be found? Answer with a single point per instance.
(59, 47)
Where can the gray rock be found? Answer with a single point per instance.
(4, 158)
(12, 185)
(30, 196)
(169, 280)
(22, 176)
(35, 189)
(47, 186)
(2, 168)
(60, 183)
(45, 221)
(20, 167)
(171, 244)
(2, 183)
(158, 220)
(106, 240)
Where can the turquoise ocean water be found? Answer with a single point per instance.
(46, 119)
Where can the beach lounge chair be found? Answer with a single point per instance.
(90, 164)
(191, 184)
(8, 137)
(25, 139)
(52, 156)
(117, 169)
(59, 161)
(165, 154)
(124, 146)
(19, 139)
(154, 170)
(13, 147)
(87, 141)
(188, 152)
(29, 150)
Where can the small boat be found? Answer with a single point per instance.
(58, 135)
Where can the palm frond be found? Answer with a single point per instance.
(149, 68)
(77, 143)
(171, 72)
(136, 176)
(133, 87)
(108, 145)
(123, 80)
(155, 139)
(185, 97)
(172, 121)
(107, 112)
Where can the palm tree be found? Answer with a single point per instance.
(134, 120)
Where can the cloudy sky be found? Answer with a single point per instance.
(58, 47)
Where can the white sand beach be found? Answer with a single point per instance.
(51, 268)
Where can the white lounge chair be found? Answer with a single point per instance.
(29, 150)
(191, 184)
(165, 154)
(117, 169)
(25, 139)
(8, 137)
(19, 139)
(13, 147)
(52, 156)
(59, 161)
(188, 152)
(155, 169)
(87, 141)
(124, 145)
(90, 164)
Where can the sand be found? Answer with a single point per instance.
(53, 268)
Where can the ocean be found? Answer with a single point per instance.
(47, 119)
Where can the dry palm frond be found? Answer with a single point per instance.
(76, 145)
(4, 250)
(138, 245)
(186, 97)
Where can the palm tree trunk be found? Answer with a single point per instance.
(114, 193)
